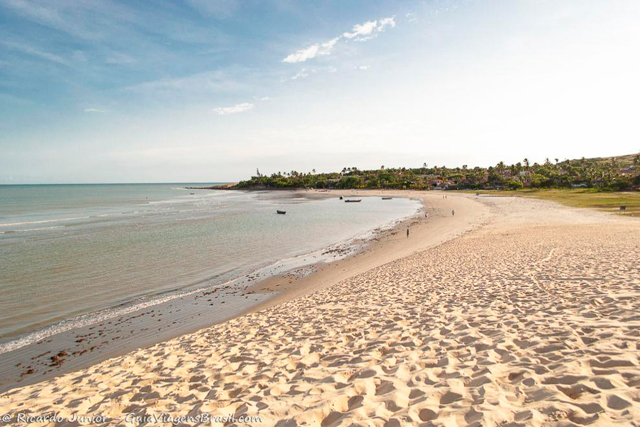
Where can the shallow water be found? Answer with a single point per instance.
(68, 251)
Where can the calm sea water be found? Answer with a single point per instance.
(72, 250)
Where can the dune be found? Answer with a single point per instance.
(513, 312)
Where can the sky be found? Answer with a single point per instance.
(100, 91)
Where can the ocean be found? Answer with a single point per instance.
(68, 252)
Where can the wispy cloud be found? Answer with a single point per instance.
(34, 51)
(215, 8)
(411, 17)
(119, 58)
(370, 29)
(312, 51)
(211, 81)
(95, 110)
(124, 23)
(265, 98)
(306, 72)
(363, 67)
(46, 13)
(302, 74)
(360, 32)
(238, 108)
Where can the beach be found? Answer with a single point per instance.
(512, 311)
(95, 271)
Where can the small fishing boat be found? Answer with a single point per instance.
(341, 197)
(281, 212)
(353, 200)
(387, 198)
(193, 194)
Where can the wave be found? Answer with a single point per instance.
(44, 221)
(35, 229)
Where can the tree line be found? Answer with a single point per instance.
(605, 174)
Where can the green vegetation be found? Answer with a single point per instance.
(583, 198)
(612, 174)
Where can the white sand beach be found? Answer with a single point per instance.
(512, 312)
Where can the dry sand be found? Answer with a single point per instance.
(528, 317)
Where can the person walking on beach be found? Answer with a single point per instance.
(453, 212)
(407, 233)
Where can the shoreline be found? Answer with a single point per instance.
(425, 233)
(185, 312)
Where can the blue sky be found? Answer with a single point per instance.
(203, 90)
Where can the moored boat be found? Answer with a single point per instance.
(281, 212)
(353, 200)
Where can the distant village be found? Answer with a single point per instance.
(606, 174)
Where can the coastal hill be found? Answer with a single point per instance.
(621, 173)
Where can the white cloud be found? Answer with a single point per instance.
(265, 98)
(360, 32)
(94, 110)
(387, 22)
(370, 29)
(411, 17)
(238, 108)
(312, 51)
(363, 67)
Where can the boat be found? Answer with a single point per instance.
(387, 198)
(193, 194)
(281, 212)
(341, 197)
(353, 200)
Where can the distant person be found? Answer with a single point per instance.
(426, 214)
(407, 233)
(453, 212)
